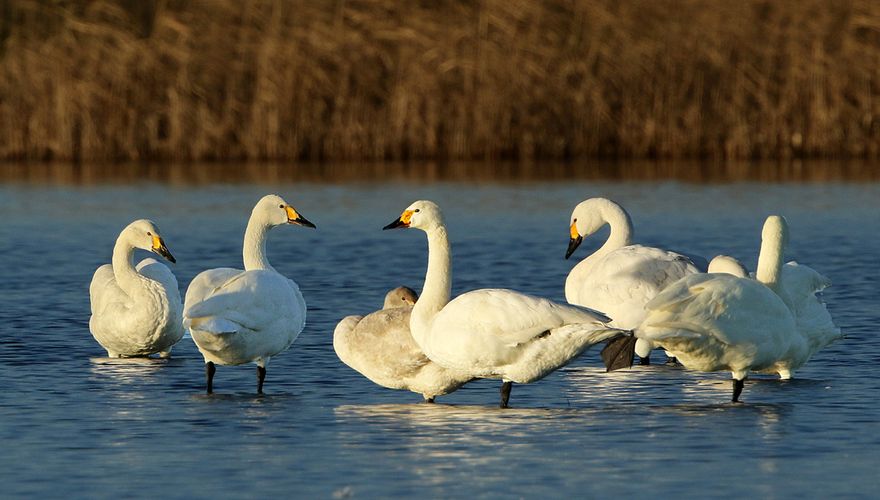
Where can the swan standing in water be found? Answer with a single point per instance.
(238, 317)
(136, 311)
(619, 278)
(380, 347)
(493, 333)
(722, 322)
(799, 285)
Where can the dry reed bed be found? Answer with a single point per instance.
(385, 80)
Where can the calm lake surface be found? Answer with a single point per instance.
(74, 426)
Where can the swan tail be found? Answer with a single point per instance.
(618, 352)
(604, 334)
(214, 326)
(584, 334)
(346, 325)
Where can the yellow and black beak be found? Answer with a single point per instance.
(402, 221)
(575, 240)
(160, 248)
(295, 218)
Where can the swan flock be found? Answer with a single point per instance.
(633, 298)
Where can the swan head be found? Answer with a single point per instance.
(775, 230)
(144, 234)
(423, 214)
(275, 211)
(587, 218)
(728, 265)
(400, 297)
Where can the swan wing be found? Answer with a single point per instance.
(346, 326)
(721, 307)
(104, 291)
(504, 318)
(252, 299)
(380, 346)
(802, 284)
(802, 281)
(207, 283)
(157, 271)
(627, 278)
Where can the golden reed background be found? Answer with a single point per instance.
(121, 80)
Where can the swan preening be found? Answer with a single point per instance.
(238, 317)
(493, 333)
(136, 310)
(380, 347)
(725, 321)
(620, 277)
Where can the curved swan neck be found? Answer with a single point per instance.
(438, 284)
(598, 212)
(127, 277)
(254, 249)
(621, 226)
(770, 259)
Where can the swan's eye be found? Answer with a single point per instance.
(149, 233)
(280, 206)
(416, 210)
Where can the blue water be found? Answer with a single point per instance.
(74, 426)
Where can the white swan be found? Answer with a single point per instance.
(380, 347)
(721, 322)
(493, 333)
(238, 317)
(798, 286)
(619, 278)
(136, 311)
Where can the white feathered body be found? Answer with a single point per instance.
(496, 333)
(719, 322)
(139, 325)
(620, 283)
(238, 317)
(380, 347)
(800, 286)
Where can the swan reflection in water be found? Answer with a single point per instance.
(657, 391)
(476, 435)
(129, 370)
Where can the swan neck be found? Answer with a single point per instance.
(438, 284)
(770, 263)
(254, 249)
(621, 227)
(621, 235)
(127, 277)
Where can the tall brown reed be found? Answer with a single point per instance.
(386, 80)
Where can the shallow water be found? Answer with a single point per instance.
(77, 424)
